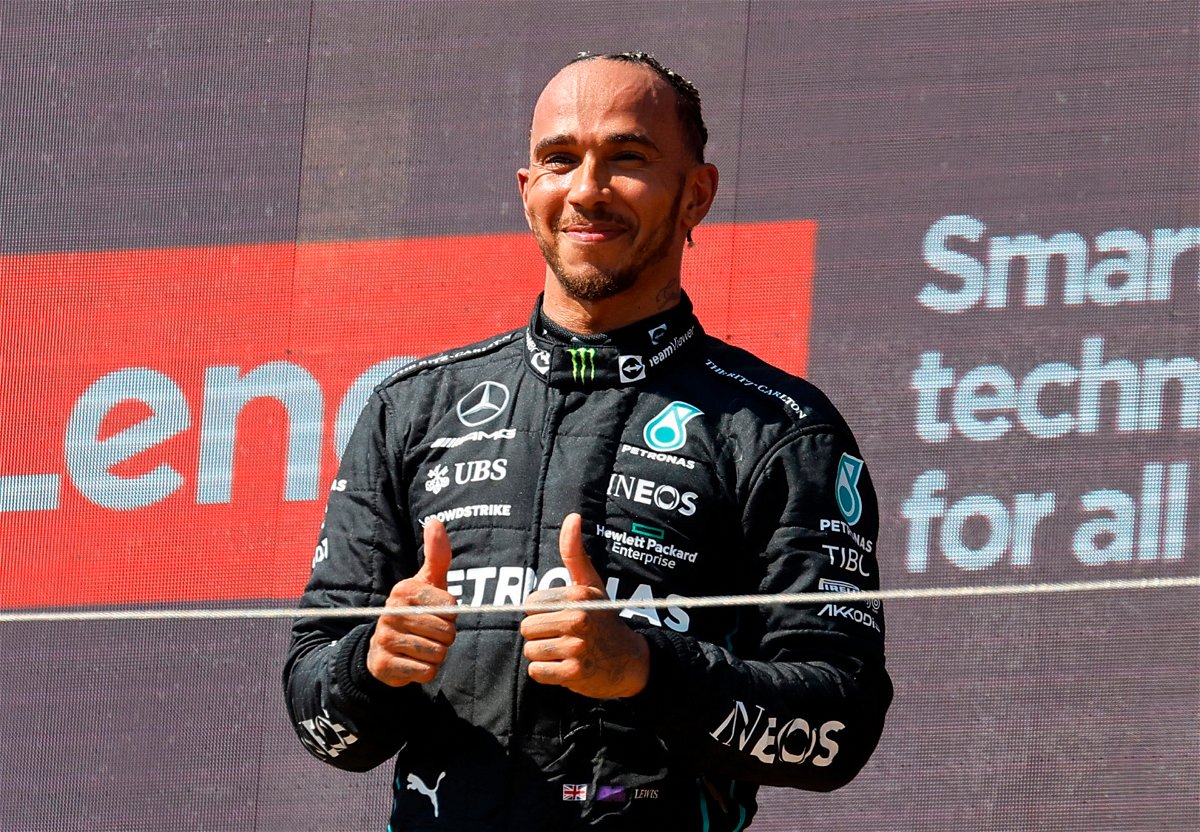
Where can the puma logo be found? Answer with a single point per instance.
(417, 784)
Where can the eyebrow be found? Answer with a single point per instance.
(612, 138)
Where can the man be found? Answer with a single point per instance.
(609, 449)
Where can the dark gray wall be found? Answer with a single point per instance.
(143, 125)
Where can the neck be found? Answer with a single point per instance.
(593, 317)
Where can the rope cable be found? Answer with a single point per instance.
(677, 602)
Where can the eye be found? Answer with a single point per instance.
(558, 160)
(629, 156)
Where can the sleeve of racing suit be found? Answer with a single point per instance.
(800, 699)
(342, 714)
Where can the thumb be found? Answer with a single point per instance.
(574, 557)
(437, 555)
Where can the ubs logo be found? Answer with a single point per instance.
(485, 402)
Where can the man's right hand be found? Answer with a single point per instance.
(411, 648)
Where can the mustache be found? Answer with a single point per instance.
(590, 218)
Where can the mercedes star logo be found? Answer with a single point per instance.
(484, 403)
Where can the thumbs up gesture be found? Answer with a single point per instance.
(411, 648)
(591, 652)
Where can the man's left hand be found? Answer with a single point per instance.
(591, 652)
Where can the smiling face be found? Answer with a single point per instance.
(612, 189)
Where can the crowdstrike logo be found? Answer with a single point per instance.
(485, 402)
(583, 363)
(668, 430)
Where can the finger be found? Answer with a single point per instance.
(574, 557)
(396, 671)
(433, 627)
(554, 649)
(553, 624)
(568, 673)
(407, 645)
(437, 555)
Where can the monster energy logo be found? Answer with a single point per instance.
(583, 363)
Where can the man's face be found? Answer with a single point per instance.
(608, 172)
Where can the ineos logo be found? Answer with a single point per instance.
(484, 403)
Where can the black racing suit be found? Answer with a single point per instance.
(698, 470)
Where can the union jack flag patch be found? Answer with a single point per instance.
(574, 791)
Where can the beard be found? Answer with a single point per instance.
(590, 282)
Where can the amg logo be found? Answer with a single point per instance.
(792, 742)
(473, 436)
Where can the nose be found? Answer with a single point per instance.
(589, 184)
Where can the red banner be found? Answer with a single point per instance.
(171, 418)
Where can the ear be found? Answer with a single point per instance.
(701, 190)
(523, 187)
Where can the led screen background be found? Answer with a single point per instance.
(974, 224)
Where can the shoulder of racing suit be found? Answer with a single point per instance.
(769, 393)
(485, 349)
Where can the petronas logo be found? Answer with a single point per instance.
(668, 430)
(583, 363)
(848, 499)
